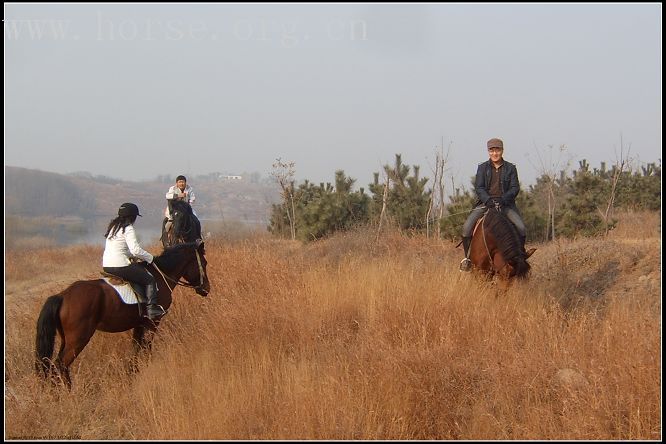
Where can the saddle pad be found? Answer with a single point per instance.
(125, 292)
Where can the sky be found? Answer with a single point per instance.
(132, 91)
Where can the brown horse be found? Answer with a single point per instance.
(496, 249)
(86, 306)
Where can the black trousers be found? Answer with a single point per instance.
(133, 272)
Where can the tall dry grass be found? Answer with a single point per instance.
(351, 339)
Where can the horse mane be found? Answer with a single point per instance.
(171, 256)
(184, 220)
(181, 205)
(507, 239)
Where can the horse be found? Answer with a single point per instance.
(185, 226)
(87, 306)
(496, 248)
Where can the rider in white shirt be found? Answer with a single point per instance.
(121, 245)
(181, 191)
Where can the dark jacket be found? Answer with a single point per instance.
(508, 183)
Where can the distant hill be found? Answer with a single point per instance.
(35, 193)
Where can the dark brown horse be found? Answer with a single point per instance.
(185, 226)
(86, 306)
(496, 248)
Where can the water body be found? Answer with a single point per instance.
(148, 230)
(91, 232)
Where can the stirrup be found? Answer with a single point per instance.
(151, 310)
(465, 264)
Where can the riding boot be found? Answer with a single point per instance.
(154, 310)
(466, 264)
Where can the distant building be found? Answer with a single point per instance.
(231, 177)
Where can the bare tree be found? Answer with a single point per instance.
(284, 172)
(618, 169)
(382, 215)
(436, 203)
(549, 169)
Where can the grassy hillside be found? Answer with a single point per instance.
(349, 338)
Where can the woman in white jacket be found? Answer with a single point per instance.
(121, 245)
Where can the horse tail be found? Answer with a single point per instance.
(48, 322)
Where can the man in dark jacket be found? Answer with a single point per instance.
(496, 184)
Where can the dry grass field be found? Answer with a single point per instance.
(348, 338)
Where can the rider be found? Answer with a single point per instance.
(121, 245)
(180, 191)
(496, 185)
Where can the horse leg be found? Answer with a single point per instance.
(56, 364)
(53, 370)
(503, 275)
(74, 342)
(139, 344)
(166, 225)
(171, 237)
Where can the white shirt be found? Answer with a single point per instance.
(175, 192)
(121, 247)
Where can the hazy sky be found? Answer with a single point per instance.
(136, 90)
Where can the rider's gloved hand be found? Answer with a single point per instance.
(492, 203)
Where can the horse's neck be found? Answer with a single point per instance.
(173, 274)
(185, 224)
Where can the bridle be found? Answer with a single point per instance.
(182, 283)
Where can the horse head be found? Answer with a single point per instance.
(188, 261)
(183, 227)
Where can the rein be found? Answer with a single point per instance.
(180, 282)
(485, 243)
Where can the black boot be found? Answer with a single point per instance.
(466, 264)
(154, 310)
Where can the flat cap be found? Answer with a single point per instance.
(495, 143)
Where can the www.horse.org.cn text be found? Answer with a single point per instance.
(104, 28)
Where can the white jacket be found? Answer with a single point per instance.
(174, 192)
(121, 247)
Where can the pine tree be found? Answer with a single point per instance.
(408, 200)
(587, 194)
(457, 211)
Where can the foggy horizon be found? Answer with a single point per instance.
(134, 91)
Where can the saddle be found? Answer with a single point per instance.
(120, 284)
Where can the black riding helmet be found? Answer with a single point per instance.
(128, 209)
